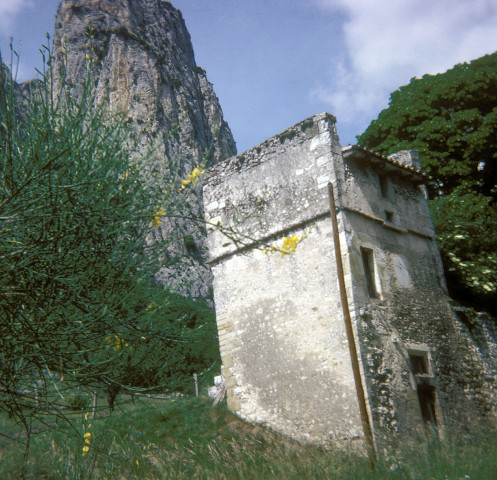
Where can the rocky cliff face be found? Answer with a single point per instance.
(141, 51)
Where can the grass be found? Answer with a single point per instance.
(187, 438)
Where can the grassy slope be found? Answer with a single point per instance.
(190, 439)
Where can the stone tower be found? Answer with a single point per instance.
(350, 335)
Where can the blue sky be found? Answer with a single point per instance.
(276, 62)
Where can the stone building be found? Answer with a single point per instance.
(289, 360)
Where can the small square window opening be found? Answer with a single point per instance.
(419, 363)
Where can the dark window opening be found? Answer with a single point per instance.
(368, 264)
(383, 185)
(389, 216)
(427, 396)
(419, 363)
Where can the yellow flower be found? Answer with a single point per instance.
(86, 446)
(158, 213)
(151, 308)
(290, 244)
(193, 177)
(125, 175)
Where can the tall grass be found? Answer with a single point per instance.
(190, 439)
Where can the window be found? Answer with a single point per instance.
(389, 216)
(368, 264)
(383, 185)
(427, 396)
(427, 393)
(419, 363)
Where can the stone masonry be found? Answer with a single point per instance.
(281, 322)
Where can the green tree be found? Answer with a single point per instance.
(166, 355)
(78, 304)
(451, 120)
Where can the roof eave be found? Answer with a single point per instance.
(385, 164)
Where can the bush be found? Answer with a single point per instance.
(77, 295)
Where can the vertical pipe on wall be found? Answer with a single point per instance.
(366, 425)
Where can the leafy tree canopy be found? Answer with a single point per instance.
(451, 120)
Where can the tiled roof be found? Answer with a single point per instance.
(389, 164)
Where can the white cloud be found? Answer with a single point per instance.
(9, 9)
(389, 42)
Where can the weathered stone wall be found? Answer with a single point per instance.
(282, 337)
(411, 311)
(281, 327)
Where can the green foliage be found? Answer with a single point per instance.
(78, 304)
(188, 438)
(467, 241)
(286, 136)
(451, 120)
(176, 338)
(306, 124)
(200, 71)
(173, 82)
(78, 402)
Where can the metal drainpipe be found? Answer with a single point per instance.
(366, 425)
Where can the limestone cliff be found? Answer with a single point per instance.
(141, 51)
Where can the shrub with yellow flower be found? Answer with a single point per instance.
(193, 177)
(87, 439)
(156, 219)
(288, 246)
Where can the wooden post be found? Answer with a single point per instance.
(220, 395)
(61, 369)
(361, 397)
(35, 386)
(195, 380)
(93, 404)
